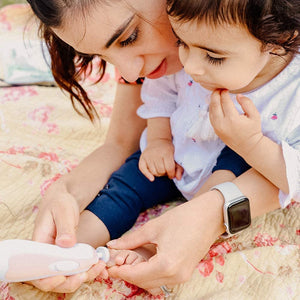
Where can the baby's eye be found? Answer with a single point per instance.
(215, 60)
(131, 39)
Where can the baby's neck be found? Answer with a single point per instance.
(270, 71)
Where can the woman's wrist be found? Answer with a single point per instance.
(211, 203)
(60, 188)
(217, 203)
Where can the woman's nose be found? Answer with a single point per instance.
(130, 68)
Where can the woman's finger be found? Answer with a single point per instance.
(66, 219)
(44, 230)
(133, 240)
(71, 284)
(48, 284)
(147, 275)
(96, 270)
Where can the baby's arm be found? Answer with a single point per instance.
(243, 134)
(158, 157)
(229, 166)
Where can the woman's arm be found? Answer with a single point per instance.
(184, 234)
(67, 197)
(122, 139)
(60, 208)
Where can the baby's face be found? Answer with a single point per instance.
(221, 56)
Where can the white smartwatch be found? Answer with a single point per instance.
(236, 209)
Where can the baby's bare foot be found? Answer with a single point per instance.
(130, 257)
(124, 257)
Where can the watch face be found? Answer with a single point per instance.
(239, 215)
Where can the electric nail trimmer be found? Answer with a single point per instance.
(25, 260)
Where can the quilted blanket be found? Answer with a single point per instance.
(42, 138)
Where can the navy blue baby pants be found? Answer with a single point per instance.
(128, 192)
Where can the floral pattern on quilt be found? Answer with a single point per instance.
(42, 138)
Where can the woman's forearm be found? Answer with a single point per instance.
(201, 223)
(262, 194)
(90, 176)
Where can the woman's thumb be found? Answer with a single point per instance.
(131, 240)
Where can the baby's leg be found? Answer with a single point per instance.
(127, 193)
(130, 257)
(91, 230)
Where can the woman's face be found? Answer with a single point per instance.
(133, 35)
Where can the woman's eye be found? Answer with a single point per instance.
(180, 43)
(131, 39)
(215, 60)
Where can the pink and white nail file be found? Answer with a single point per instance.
(24, 260)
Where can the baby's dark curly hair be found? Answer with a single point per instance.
(275, 22)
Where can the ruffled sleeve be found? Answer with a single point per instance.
(292, 161)
(159, 97)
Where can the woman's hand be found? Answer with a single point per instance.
(57, 217)
(56, 224)
(69, 284)
(182, 237)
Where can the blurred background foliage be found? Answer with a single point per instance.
(6, 2)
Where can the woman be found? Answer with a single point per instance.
(136, 37)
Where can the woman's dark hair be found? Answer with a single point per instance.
(275, 22)
(68, 66)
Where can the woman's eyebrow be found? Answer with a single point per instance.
(83, 54)
(119, 31)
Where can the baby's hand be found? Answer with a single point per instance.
(240, 132)
(158, 160)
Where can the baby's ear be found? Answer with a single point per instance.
(286, 38)
(296, 33)
(277, 50)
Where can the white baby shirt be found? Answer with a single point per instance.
(197, 147)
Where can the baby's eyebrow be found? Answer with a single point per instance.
(119, 31)
(216, 51)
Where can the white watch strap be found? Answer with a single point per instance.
(229, 191)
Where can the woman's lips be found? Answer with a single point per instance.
(159, 71)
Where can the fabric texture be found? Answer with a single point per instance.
(42, 138)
